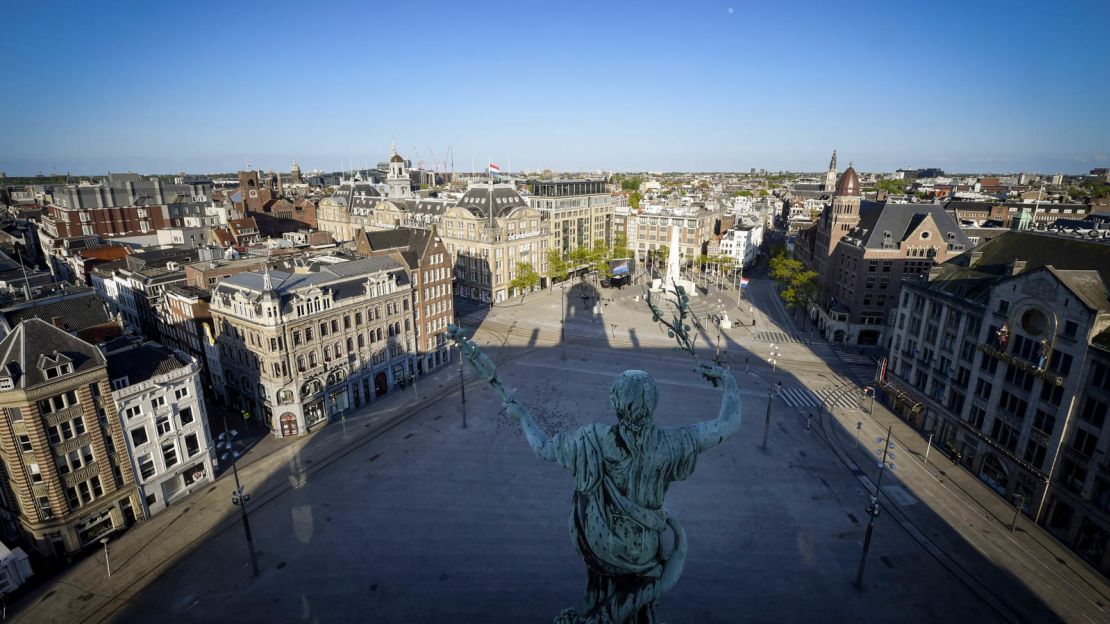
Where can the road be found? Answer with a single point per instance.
(400, 515)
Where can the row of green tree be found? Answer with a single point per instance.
(797, 285)
(594, 258)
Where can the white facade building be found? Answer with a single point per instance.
(15, 569)
(742, 243)
(160, 405)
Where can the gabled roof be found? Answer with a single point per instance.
(32, 340)
(900, 220)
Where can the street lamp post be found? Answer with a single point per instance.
(869, 391)
(563, 323)
(872, 510)
(108, 564)
(462, 389)
(239, 497)
(767, 420)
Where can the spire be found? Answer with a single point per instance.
(832, 163)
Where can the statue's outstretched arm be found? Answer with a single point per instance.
(486, 369)
(712, 432)
(537, 439)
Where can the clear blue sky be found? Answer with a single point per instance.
(678, 85)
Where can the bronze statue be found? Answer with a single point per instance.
(621, 475)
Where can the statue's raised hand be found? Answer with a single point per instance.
(515, 410)
(714, 373)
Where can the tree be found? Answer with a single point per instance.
(557, 268)
(631, 183)
(620, 246)
(892, 186)
(742, 193)
(579, 257)
(634, 200)
(526, 278)
(599, 257)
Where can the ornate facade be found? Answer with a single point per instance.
(300, 348)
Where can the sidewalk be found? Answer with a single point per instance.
(971, 513)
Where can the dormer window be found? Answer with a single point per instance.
(54, 372)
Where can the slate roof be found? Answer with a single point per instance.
(878, 218)
(1083, 266)
(22, 350)
(479, 200)
(410, 243)
(143, 362)
(345, 279)
(74, 313)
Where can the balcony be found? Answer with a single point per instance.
(1019, 363)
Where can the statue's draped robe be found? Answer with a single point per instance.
(617, 515)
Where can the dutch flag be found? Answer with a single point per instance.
(743, 282)
(494, 169)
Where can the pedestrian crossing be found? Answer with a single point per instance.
(861, 368)
(829, 396)
(777, 337)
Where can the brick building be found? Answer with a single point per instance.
(68, 478)
(861, 251)
(430, 271)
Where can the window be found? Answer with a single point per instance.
(163, 425)
(36, 474)
(146, 466)
(323, 329)
(24, 443)
(169, 453)
(983, 388)
(1070, 329)
(334, 325)
(133, 412)
(139, 436)
(181, 393)
(1094, 412)
(1044, 422)
(1084, 442)
(186, 416)
(296, 338)
(1052, 393)
(58, 402)
(1034, 453)
(157, 402)
(192, 445)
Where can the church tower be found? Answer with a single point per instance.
(839, 218)
(830, 175)
(397, 180)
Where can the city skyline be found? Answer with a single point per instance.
(724, 86)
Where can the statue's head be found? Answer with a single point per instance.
(634, 396)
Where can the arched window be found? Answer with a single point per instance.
(391, 331)
(312, 363)
(379, 333)
(361, 341)
(406, 324)
(350, 344)
(338, 348)
(327, 354)
(300, 363)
